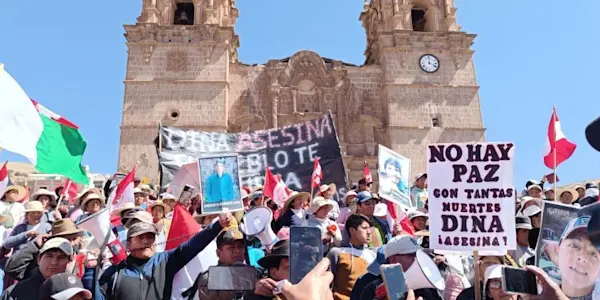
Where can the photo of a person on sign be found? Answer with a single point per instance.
(219, 185)
(577, 259)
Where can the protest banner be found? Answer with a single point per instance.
(288, 151)
(220, 181)
(394, 177)
(471, 197)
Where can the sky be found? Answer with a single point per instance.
(529, 56)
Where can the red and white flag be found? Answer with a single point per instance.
(367, 173)
(275, 188)
(123, 192)
(69, 190)
(4, 182)
(317, 174)
(557, 144)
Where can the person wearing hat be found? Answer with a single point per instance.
(77, 210)
(146, 274)
(549, 194)
(567, 195)
(90, 205)
(418, 192)
(534, 190)
(10, 202)
(64, 286)
(246, 197)
(148, 190)
(30, 228)
(292, 212)
(401, 250)
(349, 208)
(231, 250)
(55, 255)
(381, 230)
(523, 251)
(48, 200)
(169, 200)
(534, 213)
(577, 259)
(142, 216)
(23, 263)
(140, 198)
(159, 209)
(418, 220)
(492, 285)
(124, 213)
(328, 191)
(277, 261)
(363, 185)
(317, 217)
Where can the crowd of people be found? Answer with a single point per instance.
(45, 255)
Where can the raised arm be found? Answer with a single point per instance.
(177, 258)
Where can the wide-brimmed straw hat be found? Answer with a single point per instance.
(326, 187)
(570, 190)
(20, 190)
(165, 207)
(33, 206)
(90, 197)
(319, 202)
(126, 206)
(44, 192)
(304, 195)
(84, 193)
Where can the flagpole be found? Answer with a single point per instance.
(554, 154)
(160, 144)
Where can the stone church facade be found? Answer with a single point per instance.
(183, 70)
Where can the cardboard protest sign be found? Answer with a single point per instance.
(289, 151)
(565, 250)
(220, 181)
(471, 196)
(394, 177)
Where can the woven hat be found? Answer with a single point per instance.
(65, 227)
(20, 191)
(44, 192)
(33, 206)
(319, 202)
(304, 195)
(165, 207)
(326, 187)
(90, 197)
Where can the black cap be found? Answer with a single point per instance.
(229, 236)
(63, 286)
(364, 181)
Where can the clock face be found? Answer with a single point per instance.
(429, 63)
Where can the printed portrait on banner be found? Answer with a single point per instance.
(565, 250)
(394, 176)
(219, 177)
(471, 197)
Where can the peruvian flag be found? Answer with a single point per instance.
(69, 190)
(123, 192)
(557, 144)
(317, 174)
(398, 215)
(275, 188)
(4, 182)
(367, 173)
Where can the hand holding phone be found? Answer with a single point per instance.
(519, 281)
(186, 194)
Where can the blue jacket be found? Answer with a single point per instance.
(219, 188)
(152, 279)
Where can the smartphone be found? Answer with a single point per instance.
(306, 251)
(393, 278)
(232, 278)
(186, 194)
(519, 281)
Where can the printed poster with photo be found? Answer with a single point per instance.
(394, 177)
(471, 197)
(565, 251)
(220, 182)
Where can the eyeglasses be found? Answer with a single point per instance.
(495, 284)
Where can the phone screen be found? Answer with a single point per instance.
(393, 278)
(186, 194)
(519, 281)
(306, 251)
(231, 278)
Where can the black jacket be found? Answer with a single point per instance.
(25, 290)
(151, 279)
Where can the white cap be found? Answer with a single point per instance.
(402, 244)
(416, 214)
(58, 243)
(532, 211)
(492, 272)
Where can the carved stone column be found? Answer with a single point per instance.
(396, 7)
(403, 20)
(275, 106)
(320, 105)
(149, 12)
(433, 16)
(211, 13)
(197, 12)
(294, 101)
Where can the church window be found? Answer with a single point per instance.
(436, 122)
(184, 14)
(418, 19)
